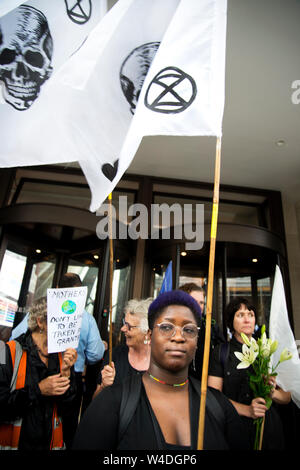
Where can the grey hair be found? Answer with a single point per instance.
(37, 310)
(139, 308)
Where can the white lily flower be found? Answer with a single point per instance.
(285, 355)
(250, 342)
(247, 356)
(254, 345)
(245, 339)
(265, 346)
(274, 346)
(264, 340)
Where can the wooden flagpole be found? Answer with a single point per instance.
(213, 234)
(111, 273)
(261, 433)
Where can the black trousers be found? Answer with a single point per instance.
(70, 422)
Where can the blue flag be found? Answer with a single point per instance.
(167, 280)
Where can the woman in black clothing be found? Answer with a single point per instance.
(234, 383)
(134, 356)
(33, 406)
(167, 408)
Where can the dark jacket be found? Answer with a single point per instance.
(99, 427)
(236, 387)
(28, 403)
(122, 365)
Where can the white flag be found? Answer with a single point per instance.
(279, 328)
(36, 39)
(100, 106)
(181, 92)
(8, 5)
(184, 91)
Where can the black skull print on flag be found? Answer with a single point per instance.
(149, 67)
(36, 39)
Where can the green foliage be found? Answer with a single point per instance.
(257, 354)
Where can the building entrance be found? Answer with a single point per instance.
(241, 269)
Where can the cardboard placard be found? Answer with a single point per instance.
(65, 308)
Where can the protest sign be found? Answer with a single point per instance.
(65, 309)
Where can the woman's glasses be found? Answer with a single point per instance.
(128, 326)
(168, 330)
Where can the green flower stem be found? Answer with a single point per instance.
(258, 422)
(258, 356)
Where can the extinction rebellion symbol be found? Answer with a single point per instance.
(171, 91)
(79, 11)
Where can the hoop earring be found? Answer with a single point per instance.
(194, 360)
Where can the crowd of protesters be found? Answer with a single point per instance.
(147, 393)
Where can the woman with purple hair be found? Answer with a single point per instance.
(164, 401)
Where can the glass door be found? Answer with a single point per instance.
(41, 279)
(241, 270)
(11, 277)
(87, 270)
(250, 272)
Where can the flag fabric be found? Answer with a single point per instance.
(148, 68)
(36, 39)
(183, 93)
(167, 283)
(99, 106)
(189, 73)
(279, 329)
(7, 5)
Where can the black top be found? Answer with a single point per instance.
(236, 387)
(98, 429)
(35, 409)
(235, 381)
(195, 369)
(122, 366)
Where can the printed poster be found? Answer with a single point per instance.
(7, 311)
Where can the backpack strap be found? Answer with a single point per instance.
(212, 403)
(19, 359)
(224, 353)
(2, 352)
(215, 408)
(131, 391)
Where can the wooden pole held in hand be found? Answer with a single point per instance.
(111, 273)
(213, 234)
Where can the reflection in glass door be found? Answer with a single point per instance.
(158, 274)
(240, 270)
(41, 279)
(89, 277)
(11, 276)
(250, 270)
(199, 280)
(264, 293)
(239, 286)
(120, 295)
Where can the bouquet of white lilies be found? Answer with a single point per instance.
(257, 354)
